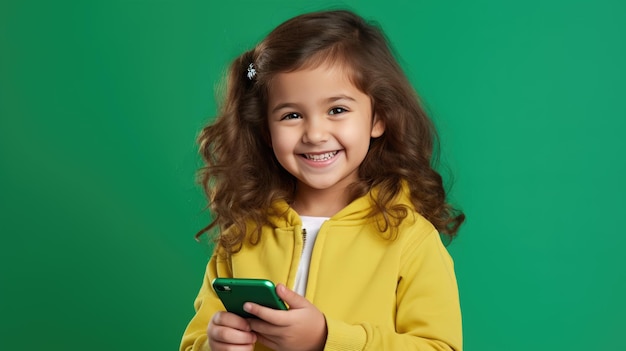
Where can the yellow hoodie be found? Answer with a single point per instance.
(375, 293)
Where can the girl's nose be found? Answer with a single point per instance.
(315, 132)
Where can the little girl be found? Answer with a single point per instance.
(318, 172)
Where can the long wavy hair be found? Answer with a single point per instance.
(242, 177)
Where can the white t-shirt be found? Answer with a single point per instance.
(312, 226)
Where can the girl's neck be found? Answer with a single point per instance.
(319, 203)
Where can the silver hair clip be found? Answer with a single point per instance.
(251, 71)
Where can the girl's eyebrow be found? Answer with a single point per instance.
(340, 97)
(282, 106)
(327, 101)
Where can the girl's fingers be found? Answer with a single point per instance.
(271, 344)
(270, 315)
(262, 328)
(228, 335)
(229, 329)
(230, 320)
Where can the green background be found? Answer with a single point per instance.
(101, 101)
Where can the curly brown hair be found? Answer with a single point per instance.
(242, 177)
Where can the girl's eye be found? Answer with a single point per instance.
(337, 110)
(292, 115)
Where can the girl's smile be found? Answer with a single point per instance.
(320, 160)
(321, 157)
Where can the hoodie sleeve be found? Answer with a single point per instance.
(206, 304)
(428, 314)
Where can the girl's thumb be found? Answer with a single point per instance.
(291, 297)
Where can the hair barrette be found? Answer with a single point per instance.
(251, 71)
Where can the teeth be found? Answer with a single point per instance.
(321, 157)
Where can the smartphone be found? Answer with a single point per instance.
(234, 292)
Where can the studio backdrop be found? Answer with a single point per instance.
(101, 102)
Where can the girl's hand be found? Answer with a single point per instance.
(302, 328)
(228, 331)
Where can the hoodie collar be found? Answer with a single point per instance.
(281, 215)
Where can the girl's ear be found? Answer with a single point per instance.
(378, 128)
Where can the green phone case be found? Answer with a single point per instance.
(234, 292)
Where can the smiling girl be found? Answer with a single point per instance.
(318, 172)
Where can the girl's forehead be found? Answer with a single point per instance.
(342, 71)
(323, 83)
(324, 75)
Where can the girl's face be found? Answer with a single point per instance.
(320, 126)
